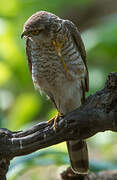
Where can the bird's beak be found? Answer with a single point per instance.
(23, 34)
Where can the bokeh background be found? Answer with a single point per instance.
(21, 106)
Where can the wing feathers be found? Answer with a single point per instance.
(79, 43)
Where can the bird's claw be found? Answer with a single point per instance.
(55, 120)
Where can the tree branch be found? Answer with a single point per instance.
(97, 114)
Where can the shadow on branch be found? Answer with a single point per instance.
(97, 114)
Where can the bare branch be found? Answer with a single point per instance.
(97, 114)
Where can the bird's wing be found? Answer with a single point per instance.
(78, 152)
(28, 53)
(81, 49)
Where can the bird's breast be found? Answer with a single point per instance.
(46, 67)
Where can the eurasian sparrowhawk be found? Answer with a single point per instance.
(57, 62)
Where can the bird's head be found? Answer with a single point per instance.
(42, 26)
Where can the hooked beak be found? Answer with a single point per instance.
(23, 34)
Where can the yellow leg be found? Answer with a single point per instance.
(58, 47)
(56, 117)
(55, 120)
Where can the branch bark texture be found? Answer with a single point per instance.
(97, 114)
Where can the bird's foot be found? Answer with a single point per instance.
(55, 120)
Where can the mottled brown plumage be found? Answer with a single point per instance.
(57, 61)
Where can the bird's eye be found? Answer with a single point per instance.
(35, 32)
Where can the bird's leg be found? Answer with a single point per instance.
(56, 117)
(58, 46)
(55, 120)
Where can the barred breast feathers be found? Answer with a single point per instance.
(47, 66)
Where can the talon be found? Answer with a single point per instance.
(55, 120)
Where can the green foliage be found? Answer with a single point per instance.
(23, 110)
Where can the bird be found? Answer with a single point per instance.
(57, 61)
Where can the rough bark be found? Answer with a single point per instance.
(97, 114)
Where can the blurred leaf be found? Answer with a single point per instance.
(8, 8)
(24, 110)
(5, 73)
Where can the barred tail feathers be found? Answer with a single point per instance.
(78, 154)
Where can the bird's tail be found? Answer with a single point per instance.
(78, 154)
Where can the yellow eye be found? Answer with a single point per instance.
(36, 32)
